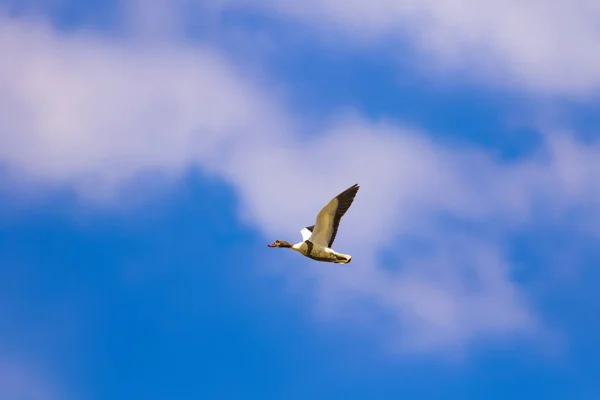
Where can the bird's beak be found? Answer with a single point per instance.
(272, 244)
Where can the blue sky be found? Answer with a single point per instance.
(149, 150)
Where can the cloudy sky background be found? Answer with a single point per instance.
(150, 149)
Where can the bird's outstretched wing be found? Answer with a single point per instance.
(328, 219)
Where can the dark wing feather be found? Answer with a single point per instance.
(345, 200)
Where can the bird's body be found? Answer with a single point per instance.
(320, 253)
(317, 239)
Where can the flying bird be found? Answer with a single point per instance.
(317, 239)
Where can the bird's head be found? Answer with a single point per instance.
(279, 243)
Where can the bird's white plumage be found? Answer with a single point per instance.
(305, 234)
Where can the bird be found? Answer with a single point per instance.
(317, 239)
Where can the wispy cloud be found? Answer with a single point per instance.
(76, 109)
(547, 46)
(94, 115)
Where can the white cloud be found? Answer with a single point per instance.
(546, 46)
(94, 115)
(79, 110)
(455, 291)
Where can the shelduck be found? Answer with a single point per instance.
(317, 239)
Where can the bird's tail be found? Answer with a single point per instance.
(343, 258)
